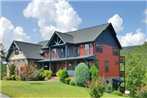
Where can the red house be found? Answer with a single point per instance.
(95, 44)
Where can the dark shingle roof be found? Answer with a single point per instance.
(66, 37)
(30, 50)
(87, 34)
(43, 43)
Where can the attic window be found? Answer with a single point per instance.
(16, 51)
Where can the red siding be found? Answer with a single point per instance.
(81, 50)
(44, 55)
(114, 70)
(91, 49)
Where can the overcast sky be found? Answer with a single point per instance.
(36, 20)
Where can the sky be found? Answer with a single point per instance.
(36, 20)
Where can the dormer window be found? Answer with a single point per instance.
(16, 51)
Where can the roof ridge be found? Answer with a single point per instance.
(26, 42)
(87, 28)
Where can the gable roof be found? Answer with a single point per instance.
(43, 43)
(30, 50)
(85, 35)
(66, 37)
(88, 34)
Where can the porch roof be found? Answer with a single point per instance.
(69, 58)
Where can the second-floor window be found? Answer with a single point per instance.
(99, 47)
(86, 49)
(115, 51)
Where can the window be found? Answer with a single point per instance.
(99, 47)
(16, 51)
(115, 51)
(106, 66)
(86, 49)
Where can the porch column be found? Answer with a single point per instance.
(65, 50)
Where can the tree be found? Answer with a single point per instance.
(94, 72)
(82, 74)
(12, 69)
(136, 67)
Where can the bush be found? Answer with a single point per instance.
(36, 75)
(108, 88)
(67, 80)
(96, 88)
(12, 69)
(58, 73)
(3, 71)
(72, 82)
(117, 92)
(94, 71)
(6, 78)
(63, 76)
(142, 93)
(26, 72)
(82, 74)
(47, 74)
(17, 77)
(12, 77)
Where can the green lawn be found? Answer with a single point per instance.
(45, 89)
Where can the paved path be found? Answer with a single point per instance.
(4, 96)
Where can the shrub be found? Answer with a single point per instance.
(3, 71)
(12, 77)
(108, 88)
(36, 75)
(26, 72)
(72, 82)
(82, 74)
(17, 77)
(96, 88)
(47, 74)
(58, 73)
(94, 71)
(117, 92)
(12, 69)
(142, 93)
(67, 80)
(64, 75)
(6, 78)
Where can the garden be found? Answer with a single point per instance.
(33, 82)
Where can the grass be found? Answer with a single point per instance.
(45, 89)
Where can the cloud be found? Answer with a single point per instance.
(117, 22)
(8, 32)
(53, 15)
(132, 38)
(145, 13)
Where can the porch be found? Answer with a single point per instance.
(66, 63)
